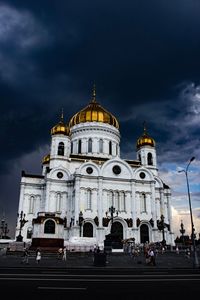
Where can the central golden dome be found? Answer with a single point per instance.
(94, 112)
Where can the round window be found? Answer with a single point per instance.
(89, 170)
(60, 175)
(116, 169)
(142, 175)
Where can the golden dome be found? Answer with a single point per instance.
(94, 112)
(60, 128)
(46, 159)
(145, 140)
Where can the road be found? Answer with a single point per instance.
(122, 278)
(59, 283)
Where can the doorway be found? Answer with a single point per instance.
(116, 235)
(88, 230)
(144, 233)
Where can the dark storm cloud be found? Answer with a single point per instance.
(53, 51)
(142, 55)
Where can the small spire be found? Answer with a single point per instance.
(62, 116)
(94, 94)
(144, 126)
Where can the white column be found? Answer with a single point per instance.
(95, 146)
(144, 157)
(77, 200)
(169, 211)
(67, 147)
(52, 202)
(84, 146)
(106, 147)
(153, 203)
(99, 201)
(43, 198)
(84, 195)
(133, 203)
(53, 146)
(162, 212)
(21, 200)
(113, 149)
(47, 204)
(81, 204)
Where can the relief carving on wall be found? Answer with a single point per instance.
(96, 221)
(129, 222)
(105, 222)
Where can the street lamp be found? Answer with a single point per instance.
(195, 257)
(22, 222)
(161, 227)
(112, 211)
(80, 221)
(182, 231)
(113, 235)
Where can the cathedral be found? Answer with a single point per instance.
(87, 192)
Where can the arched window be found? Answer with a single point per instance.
(61, 148)
(150, 159)
(143, 203)
(117, 149)
(89, 199)
(58, 202)
(110, 148)
(49, 226)
(72, 147)
(31, 205)
(79, 146)
(139, 157)
(90, 145)
(100, 146)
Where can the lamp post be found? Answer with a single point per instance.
(195, 257)
(80, 221)
(161, 227)
(112, 211)
(182, 231)
(22, 222)
(113, 233)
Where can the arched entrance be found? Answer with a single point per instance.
(88, 230)
(144, 233)
(116, 235)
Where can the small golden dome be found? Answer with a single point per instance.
(46, 159)
(145, 140)
(60, 128)
(94, 112)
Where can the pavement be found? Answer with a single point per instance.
(167, 260)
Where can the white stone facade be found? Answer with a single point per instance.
(90, 177)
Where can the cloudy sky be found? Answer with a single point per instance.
(143, 56)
